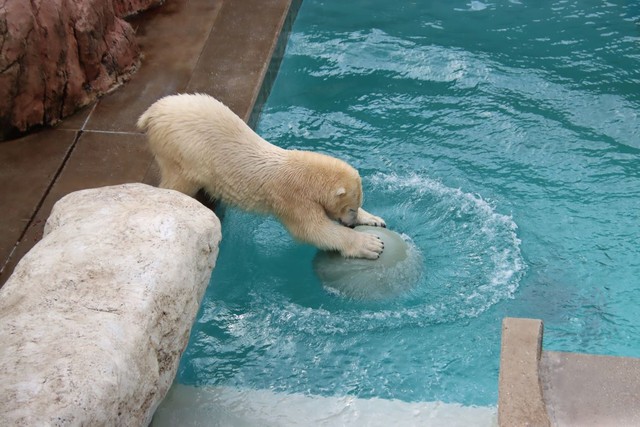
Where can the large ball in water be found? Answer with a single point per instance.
(397, 270)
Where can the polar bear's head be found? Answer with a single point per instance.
(345, 198)
(333, 183)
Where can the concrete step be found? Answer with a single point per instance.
(548, 388)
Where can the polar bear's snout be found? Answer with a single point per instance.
(350, 222)
(349, 219)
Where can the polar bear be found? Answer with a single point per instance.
(199, 143)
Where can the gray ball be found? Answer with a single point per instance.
(396, 271)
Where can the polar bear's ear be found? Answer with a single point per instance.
(341, 191)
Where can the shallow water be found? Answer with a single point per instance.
(503, 139)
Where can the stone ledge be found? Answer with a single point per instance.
(96, 316)
(520, 401)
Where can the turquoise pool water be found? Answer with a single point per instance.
(503, 139)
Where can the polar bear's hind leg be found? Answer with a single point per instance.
(171, 178)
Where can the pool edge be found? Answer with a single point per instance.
(520, 400)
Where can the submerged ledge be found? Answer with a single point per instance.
(187, 405)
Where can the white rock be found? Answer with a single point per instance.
(96, 316)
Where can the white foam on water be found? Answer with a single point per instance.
(234, 407)
(496, 231)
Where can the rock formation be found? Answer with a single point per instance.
(59, 55)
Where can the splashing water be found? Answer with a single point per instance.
(269, 317)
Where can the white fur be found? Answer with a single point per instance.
(199, 143)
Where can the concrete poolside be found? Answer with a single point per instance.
(226, 51)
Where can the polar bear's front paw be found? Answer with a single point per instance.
(365, 218)
(365, 245)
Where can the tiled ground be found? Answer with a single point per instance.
(219, 47)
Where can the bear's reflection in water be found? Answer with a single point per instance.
(396, 272)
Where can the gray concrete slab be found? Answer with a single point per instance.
(28, 166)
(591, 391)
(542, 388)
(235, 60)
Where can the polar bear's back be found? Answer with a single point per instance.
(201, 139)
(189, 120)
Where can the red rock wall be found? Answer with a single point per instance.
(59, 55)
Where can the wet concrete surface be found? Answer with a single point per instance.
(223, 48)
(28, 168)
